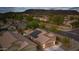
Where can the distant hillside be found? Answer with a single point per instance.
(42, 11)
(38, 12)
(74, 8)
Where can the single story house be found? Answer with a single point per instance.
(42, 38)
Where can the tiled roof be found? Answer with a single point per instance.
(7, 39)
(44, 36)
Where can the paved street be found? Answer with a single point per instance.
(75, 31)
(69, 34)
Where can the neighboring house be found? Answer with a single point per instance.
(11, 28)
(68, 21)
(20, 24)
(14, 41)
(67, 24)
(42, 18)
(42, 38)
(1, 23)
(6, 39)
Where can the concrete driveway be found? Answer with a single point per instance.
(55, 48)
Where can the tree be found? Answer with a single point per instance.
(33, 24)
(57, 19)
(18, 17)
(72, 18)
(29, 18)
(41, 25)
(75, 24)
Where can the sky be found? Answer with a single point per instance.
(21, 9)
